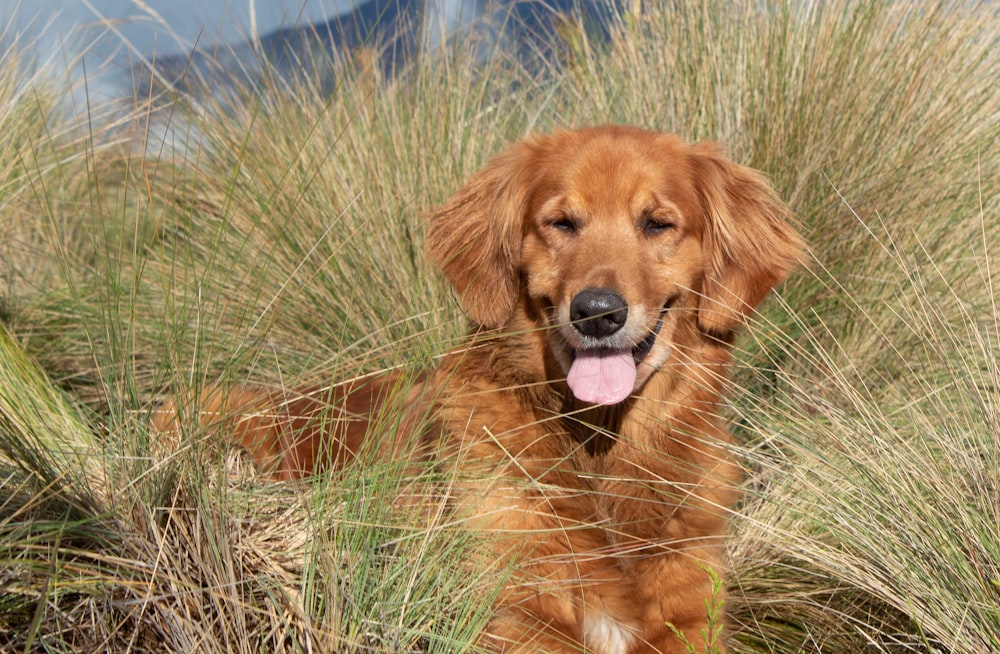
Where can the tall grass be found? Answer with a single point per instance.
(277, 238)
(871, 520)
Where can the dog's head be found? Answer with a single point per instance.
(604, 231)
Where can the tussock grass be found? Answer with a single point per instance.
(276, 237)
(872, 513)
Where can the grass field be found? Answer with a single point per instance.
(278, 239)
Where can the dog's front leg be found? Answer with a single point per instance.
(537, 513)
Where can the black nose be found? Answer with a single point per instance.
(598, 312)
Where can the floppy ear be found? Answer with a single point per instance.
(475, 237)
(748, 243)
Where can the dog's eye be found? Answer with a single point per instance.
(654, 226)
(564, 224)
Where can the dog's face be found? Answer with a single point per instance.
(613, 236)
(611, 241)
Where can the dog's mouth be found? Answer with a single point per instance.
(606, 375)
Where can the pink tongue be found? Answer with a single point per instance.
(601, 377)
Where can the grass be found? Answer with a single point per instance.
(883, 486)
(278, 239)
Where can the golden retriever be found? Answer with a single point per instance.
(605, 271)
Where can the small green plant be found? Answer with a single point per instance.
(712, 635)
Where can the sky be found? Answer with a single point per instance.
(100, 41)
(106, 37)
(169, 26)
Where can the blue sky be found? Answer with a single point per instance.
(105, 37)
(168, 26)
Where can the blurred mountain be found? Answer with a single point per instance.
(386, 33)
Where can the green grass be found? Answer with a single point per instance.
(283, 245)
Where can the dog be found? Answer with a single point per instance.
(605, 271)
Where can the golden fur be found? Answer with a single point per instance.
(632, 257)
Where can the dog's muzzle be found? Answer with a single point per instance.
(605, 375)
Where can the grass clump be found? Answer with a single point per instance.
(276, 238)
(872, 517)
